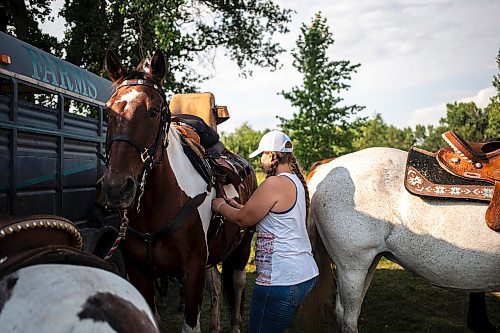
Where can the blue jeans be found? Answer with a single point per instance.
(272, 307)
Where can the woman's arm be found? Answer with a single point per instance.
(234, 203)
(259, 204)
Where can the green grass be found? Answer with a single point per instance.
(397, 301)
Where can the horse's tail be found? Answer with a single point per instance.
(316, 310)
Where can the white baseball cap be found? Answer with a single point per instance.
(274, 141)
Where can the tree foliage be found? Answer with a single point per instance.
(375, 132)
(193, 32)
(189, 32)
(21, 18)
(320, 126)
(466, 119)
(244, 140)
(493, 109)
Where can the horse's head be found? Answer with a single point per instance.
(138, 120)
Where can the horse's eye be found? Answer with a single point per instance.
(154, 111)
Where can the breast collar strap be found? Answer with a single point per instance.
(170, 227)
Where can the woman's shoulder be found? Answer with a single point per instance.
(270, 181)
(276, 182)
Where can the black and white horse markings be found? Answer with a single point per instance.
(68, 298)
(363, 211)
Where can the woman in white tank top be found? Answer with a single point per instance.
(286, 270)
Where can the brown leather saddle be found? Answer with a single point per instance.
(42, 239)
(225, 166)
(196, 117)
(222, 168)
(463, 171)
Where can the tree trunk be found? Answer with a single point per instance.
(19, 18)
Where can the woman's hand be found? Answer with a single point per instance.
(231, 202)
(216, 203)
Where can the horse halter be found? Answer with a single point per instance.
(147, 155)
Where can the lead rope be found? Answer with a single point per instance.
(121, 235)
(141, 189)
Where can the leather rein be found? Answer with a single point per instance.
(148, 158)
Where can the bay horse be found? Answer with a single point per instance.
(362, 211)
(165, 202)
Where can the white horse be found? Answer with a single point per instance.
(362, 211)
(66, 298)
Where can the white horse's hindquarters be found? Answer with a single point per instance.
(48, 298)
(448, 244)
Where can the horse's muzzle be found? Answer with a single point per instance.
(119, 193)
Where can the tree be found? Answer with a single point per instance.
(469, 121)
(493, 109)
(243, 141)
(186, 31)
(466, 119)
(21, 18)
(376, 133)
(429, 137)
(320, 126)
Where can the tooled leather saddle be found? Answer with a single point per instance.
(225, 170)
(42, 239)
(209, 156)
(463, 171)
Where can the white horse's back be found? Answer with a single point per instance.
(362, 210)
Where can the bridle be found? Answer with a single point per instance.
(147, 155)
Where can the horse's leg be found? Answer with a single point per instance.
(213, 285)
(234, 281)
(477, 317)
(370, 273)
(145, 285)
(352, 284)
(194, 278)
(239, 282)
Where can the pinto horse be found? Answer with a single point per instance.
(164, 201)
(362, 211)
(47, 284)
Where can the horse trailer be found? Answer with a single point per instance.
(52, 132)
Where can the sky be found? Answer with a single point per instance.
(416, 56)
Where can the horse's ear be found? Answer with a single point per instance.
(158, 67)
(113, 66)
